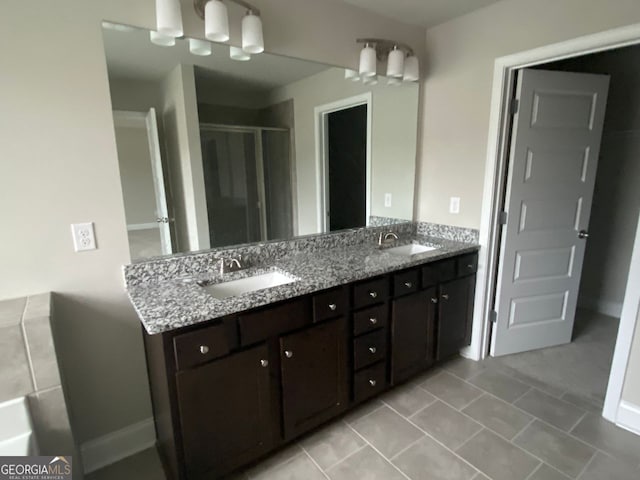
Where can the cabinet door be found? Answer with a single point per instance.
(314, 376)
(225, 412)
(453, 316)
(412, 333)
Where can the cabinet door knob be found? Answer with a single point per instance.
(373, 349)
(408, 284)
(445, 296)
(288, 353)
(372, 383)
(332, 306)
(204, 349)
(264, 363)
(373, 294)
(373, 320)
(434, 299)
(470, 266)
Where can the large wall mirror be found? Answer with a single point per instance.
(215, 151)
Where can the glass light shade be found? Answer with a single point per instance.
(351, 75)
(370, 80)
(252, 39)
(169, 18)
(368, 61)
(411, 69)
(162, 40)
(395, 63)
(216, 21)
(394, 81)
(236, 53)
(199, 47)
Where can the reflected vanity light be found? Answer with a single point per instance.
(236, 53)
(169, 18)
(199, 47)
(370, 80)
(401, 60)
(394, 81)
(158, 38)
(351, 75)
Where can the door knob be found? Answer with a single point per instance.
(332, 306)
(408, 284)
(373, 320)
(445, 296)
(264, 363)
(583, 234)
(373, 349)
(372, 383)
(434, 299)
(373, 294)
(288, 353)
(204, 349)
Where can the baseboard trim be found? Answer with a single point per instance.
(115, 446)
(629, 417)
(605, 307)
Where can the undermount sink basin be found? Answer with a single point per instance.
(249, 284)
(411, 249)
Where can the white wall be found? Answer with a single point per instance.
(457, 93)
(393, 152)
(59, 166)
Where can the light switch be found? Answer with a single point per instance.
(83, 236)
(387, 199)
(454, 205)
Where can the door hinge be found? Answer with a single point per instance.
(493, 316)
(513, 106)
(502, 218)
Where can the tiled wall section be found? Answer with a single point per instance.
(184, 265)
(29, 367)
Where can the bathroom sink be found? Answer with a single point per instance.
(411, 249)
(248, 284)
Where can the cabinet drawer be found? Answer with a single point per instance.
(370, 319)
(369, 382)
(438, 272)
(405, 282)
(204, 344)
(369, 348)
(259, 325)
(370, 292)
(467, 264)
(331, 304)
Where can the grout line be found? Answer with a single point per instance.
(578, 421)
(469, 439)
(534, 471)
(586, 466)
(406, 448)
(522, 396)
(348, 456)
(382, 404)
(533, 419)
(314, 462)
(380, 453)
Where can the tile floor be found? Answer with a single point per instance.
(463, 421)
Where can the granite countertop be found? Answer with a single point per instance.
(167, 305)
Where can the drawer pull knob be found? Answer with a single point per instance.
(288, 353)
(445, 296)
(434, 299)
(332, 306)
(264, 363)
(373, 320)
(408, 284)
(373, 294)
(470, 265)
(373, 349)
(372, 383)
(204, 349)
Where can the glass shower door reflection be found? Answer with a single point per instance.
(231, 183)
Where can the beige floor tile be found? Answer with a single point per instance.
(365, 464)
(500, 385)
(545, 472)
(606, 467)
(451, 390)
(408, 399)
(299, 467)
(447, 425)
(552, 410)
(497, 415)
(600, 433)
(333, 443)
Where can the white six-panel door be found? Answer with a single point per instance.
(552, 168)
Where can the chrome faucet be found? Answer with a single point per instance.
(231, 265)
(386, 238)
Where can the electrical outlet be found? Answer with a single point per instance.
(83, 236)
(454, 205)
(387, 199)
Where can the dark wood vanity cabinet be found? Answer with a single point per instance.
(314, 376)
(227, 392)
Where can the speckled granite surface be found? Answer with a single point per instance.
(172, 302)
(459, 234)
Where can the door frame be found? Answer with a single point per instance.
(493, 199)
(321, 113)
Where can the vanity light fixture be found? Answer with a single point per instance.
(401, 60)
(370, 80)
(169, 18)
(199, 47)
(216, 18)
(351, 75)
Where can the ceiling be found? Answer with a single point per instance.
(130, 55)
(425, 13)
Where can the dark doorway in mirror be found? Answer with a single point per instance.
(347, 147)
